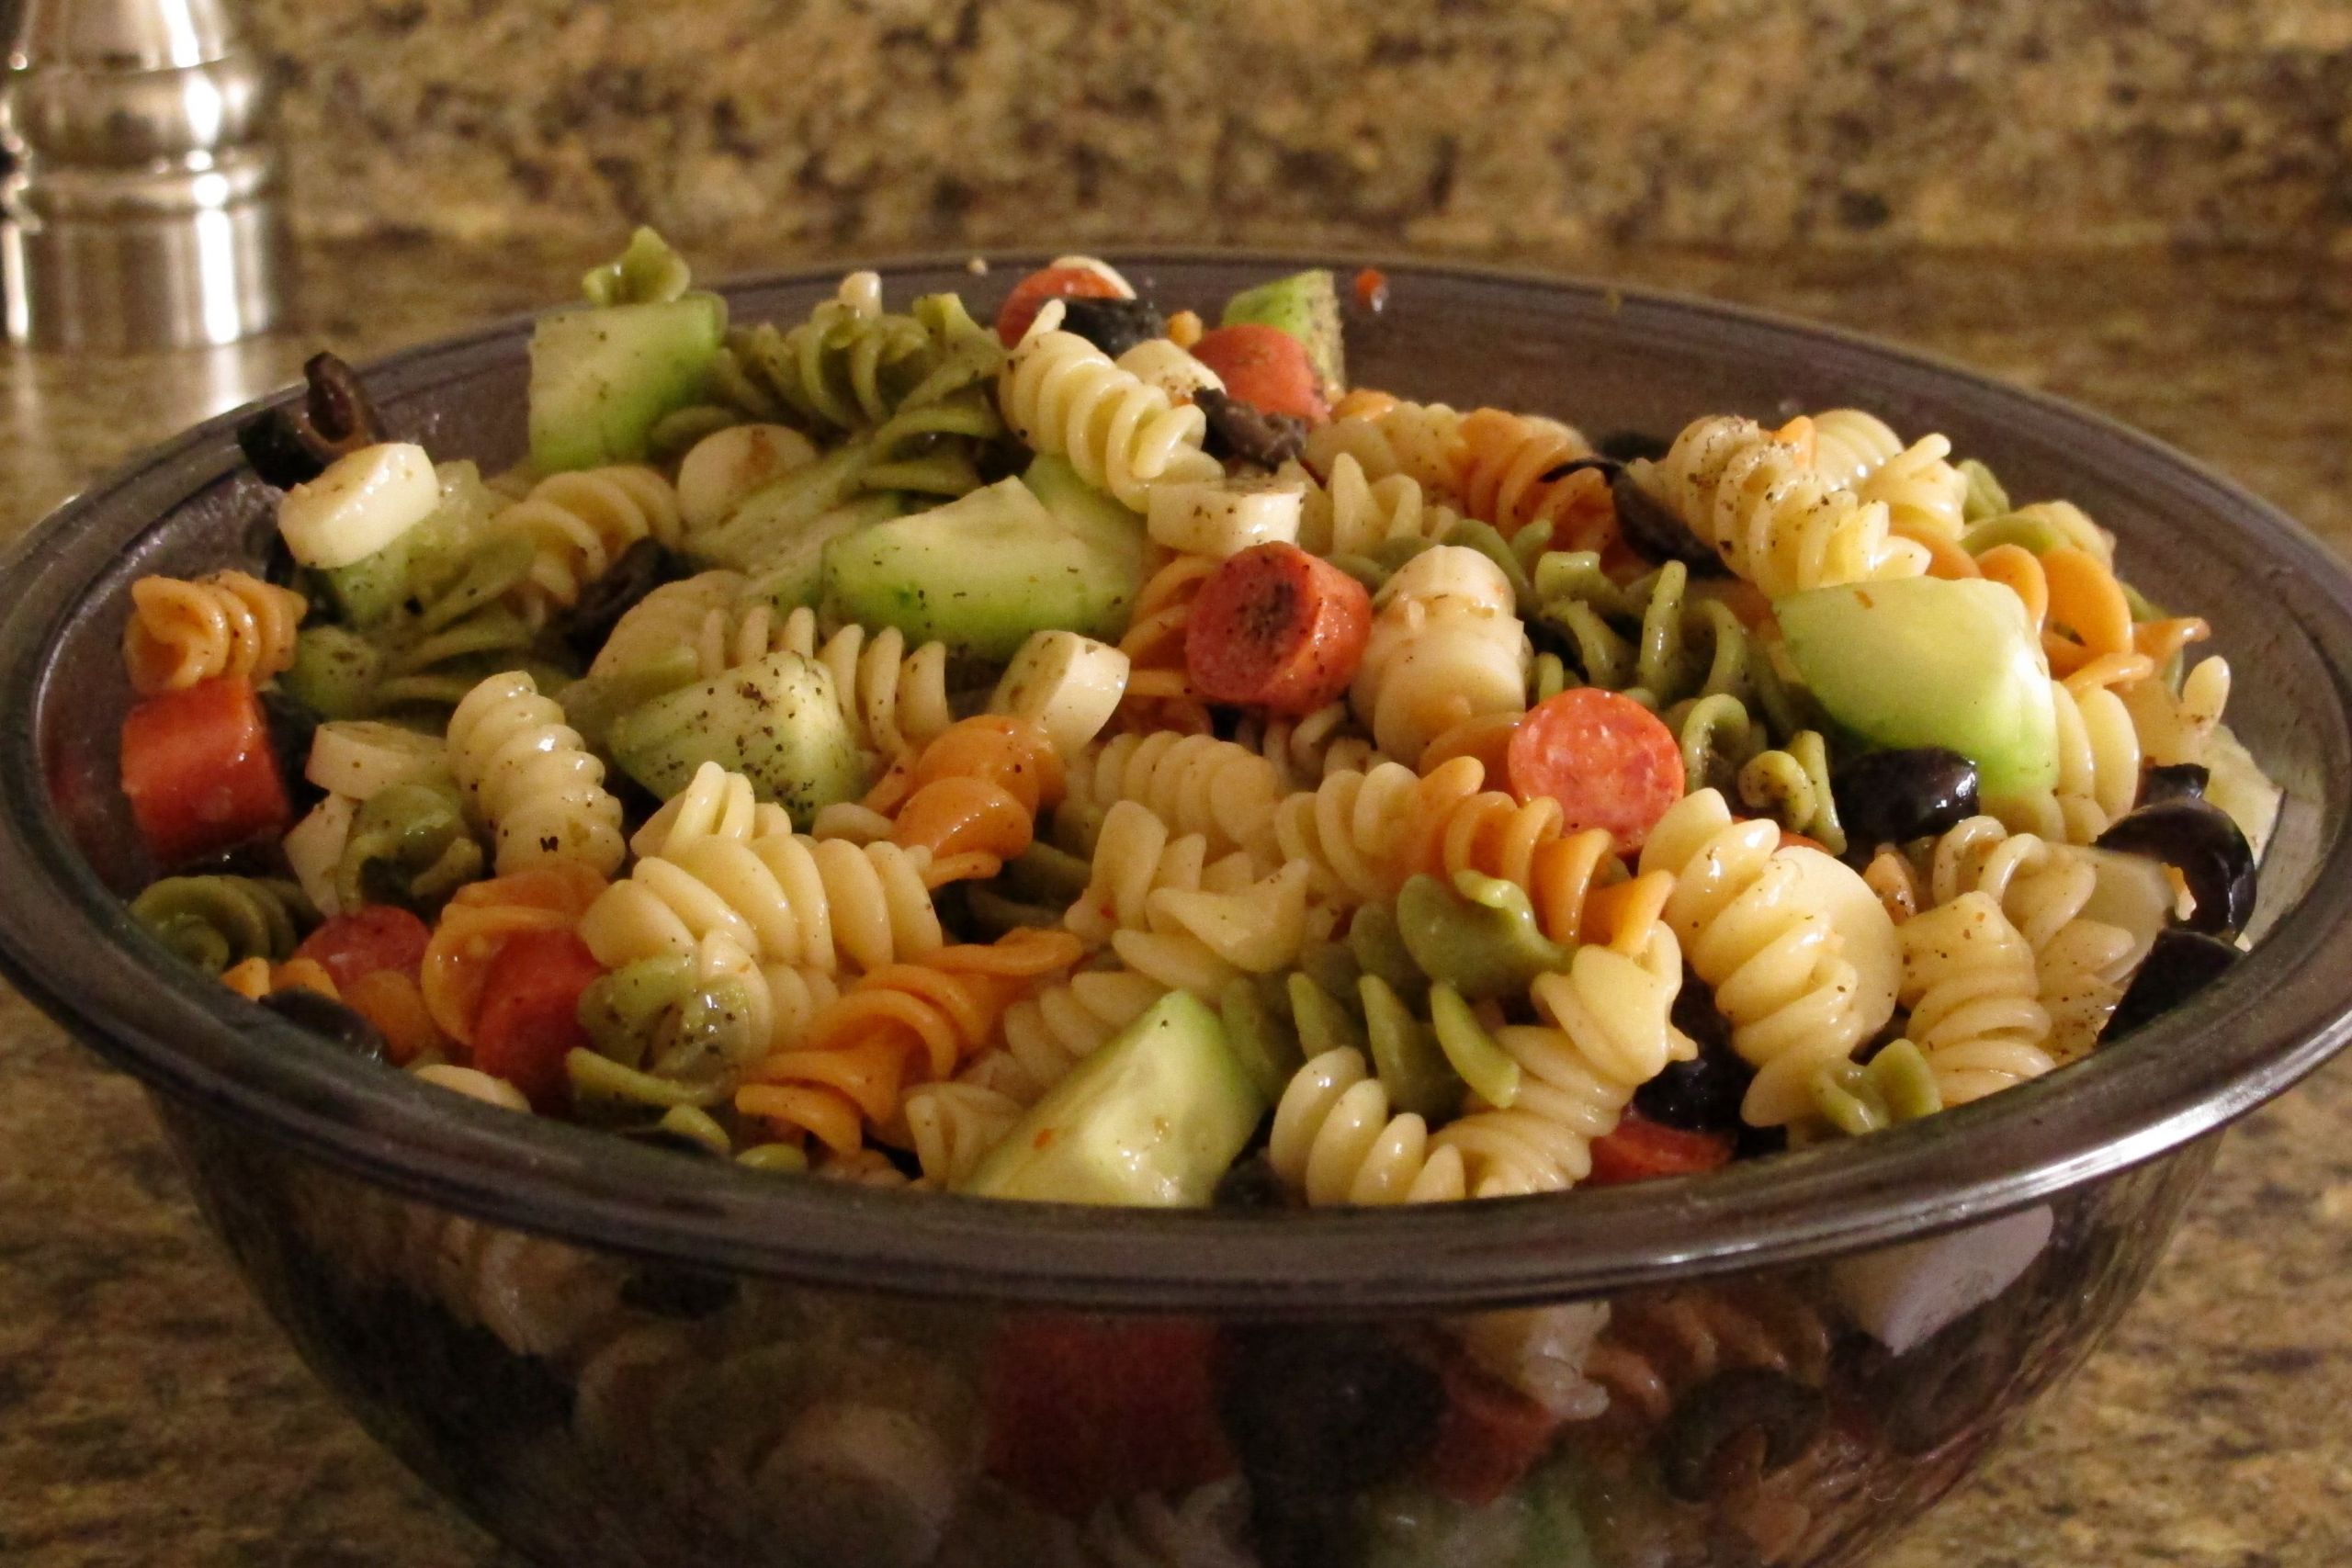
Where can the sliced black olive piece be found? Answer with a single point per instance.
(1114, 326)
(2180, 966)
(322, 1015)
(642, 567)
(1245, 431)
(2175, 781)
(1654, 532)
(1635, 446)
(1327, 1410)
(1890, 797)
(293, 445)
(2199, 841)
(1701, 1095)
(1727, 1405)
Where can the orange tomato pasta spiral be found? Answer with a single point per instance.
(1159, 695)
(476, 924)
(912, 1020)
(972, 796)
(224, 624)
(1509, 477)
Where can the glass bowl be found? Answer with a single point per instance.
(611, 1354)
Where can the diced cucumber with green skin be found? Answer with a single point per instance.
(778, 721)
(795, 574)
(1306, 306)
(983, 573)
(602, 375)
(1092, 514)
(376, 588)
(1151, 1119)
(1925, 661)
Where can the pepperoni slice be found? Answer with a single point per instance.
(1029, 297)
(1276, 626)
(1608, 761)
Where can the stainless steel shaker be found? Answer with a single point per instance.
(141, 209)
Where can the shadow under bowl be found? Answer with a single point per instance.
(616, 1355)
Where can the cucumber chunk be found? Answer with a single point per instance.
(778, 721)
(421, 562)
(1306, 306)
(983, 573)
(1151, 1119)
(602, 376)
(1923, 661)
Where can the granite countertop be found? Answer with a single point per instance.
(150, 1416)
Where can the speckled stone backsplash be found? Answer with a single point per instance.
(792, 126)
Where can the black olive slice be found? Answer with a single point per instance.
(293, 444)
(2175, 781)
(2201, 841)
(1892, 797)
(2180, 965)
(1243, 430)
(1114, 326)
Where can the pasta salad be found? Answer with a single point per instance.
(1099, 756)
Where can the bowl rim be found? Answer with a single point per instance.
(71, 947)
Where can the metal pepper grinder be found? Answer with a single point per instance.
(142, 207)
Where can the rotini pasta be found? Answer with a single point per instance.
(525, 774)
(1968, 978)
(226, 624)
(478, 921)
(1925, 496)
(1511, 476)
(783, 897)
(1335, 1140)
(1066, 398)
(1421, 441)
(1606, 1031)
(578, 525)
(1351, 515)
(1446, 645)
(1305, 751)
(1159, 694)
(1799, 952)
(1769, 516)
(1196, 783)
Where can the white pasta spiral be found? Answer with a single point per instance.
(527, 773)
(1446, 645)
(1335, 1142)
(671, 618)
(714, 804)
(2098, 768)
(1350, 830)
(1137, 856)
(1196, 783)
(2179, 726)
(1925, 496)
(1351, 515)
(1304, 751)
(578, 523)
(1607, 1031)
(1421, 441)
(896, 700)
(2081, 965)
(1802, 965)
(786, 899)
(1969, 980)
(1770, 515)
(1198, 940)
(224, 624)
(1205, 1528)
(1064, 397)
(1046, 1034)
(953, 1125)
(1540, 1352)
